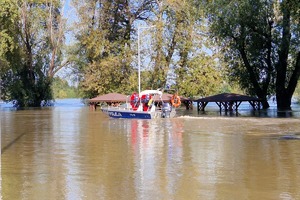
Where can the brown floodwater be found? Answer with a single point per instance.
(73, 153)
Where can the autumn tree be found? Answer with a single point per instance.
(180, 53)
(106, 33)
(105, 54)
(259, 41)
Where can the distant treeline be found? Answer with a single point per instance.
(61, 89)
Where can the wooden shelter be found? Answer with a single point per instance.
(228, 101)
(110, 98)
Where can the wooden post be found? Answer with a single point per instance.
(220, 105)
(93, 106)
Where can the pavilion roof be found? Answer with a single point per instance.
(227, 97)
(111, 97)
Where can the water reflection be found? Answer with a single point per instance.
(36, 143)
(155, 149)
(158, 153)
(72, 153)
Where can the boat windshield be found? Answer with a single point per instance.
(155, 92)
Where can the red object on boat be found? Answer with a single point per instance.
(145, 99)
(134, 101)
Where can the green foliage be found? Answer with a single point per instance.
(201, 79)
(259, 43)
(30, 52)
(244, 32)
(61, 89)
(174, 40)
(110, 74)
(23, 92)
(8, 15)
(104, 55)
(106, 52)
(185, 39)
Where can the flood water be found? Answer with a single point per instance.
(70, 152)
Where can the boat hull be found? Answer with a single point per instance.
(130, 114)
(115, 113)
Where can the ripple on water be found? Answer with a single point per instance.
(77, 153)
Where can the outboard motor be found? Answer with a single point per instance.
(166, 110)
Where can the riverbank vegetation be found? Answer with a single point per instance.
(198, 47)
(31, 43)
(62, 89)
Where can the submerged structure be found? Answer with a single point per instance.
(228, 101)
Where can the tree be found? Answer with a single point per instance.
(178, 42)
(36, 31)
(107, 45)
(104, 35)
(8, 17)
(62, 89)
(259, 42)
(202, 78)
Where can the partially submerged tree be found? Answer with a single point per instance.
(36, 36)
(105, 53)
(196, 70)
(178, 41)
(260, 41)
(107, 48)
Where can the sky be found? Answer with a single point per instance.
(70, 15)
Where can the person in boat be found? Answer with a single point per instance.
(147, 101)
(134, 101)
(115, 104)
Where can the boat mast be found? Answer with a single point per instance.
(139, 60)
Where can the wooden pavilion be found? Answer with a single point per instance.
(228, 101)
(111, 98)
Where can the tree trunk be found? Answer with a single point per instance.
(265, 104)
(283, 100)
(260, 92)
(283, 94)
